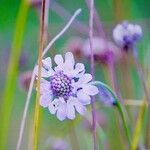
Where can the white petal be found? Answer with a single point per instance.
(45, 99)
(78, 105)
(85, 78)
(69, 60)
(80, 108)
(53, 106)
(70, 111)
(58, 60)
(44, 73)
(83, 97)
(79, 67)
(45, 87)
(47, 63)
(90, 89)
(61, 112)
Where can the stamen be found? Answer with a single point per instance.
(61, 85)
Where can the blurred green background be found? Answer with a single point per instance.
(111, 12)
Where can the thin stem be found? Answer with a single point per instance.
(25, 111)
(65, 15)
(37, 106)
(139, 124)
(22, 125)
(92, 70)
(73, 137)
(62, 31)
(122, 114)
(114, 80)
(140, 72)
(97, 21)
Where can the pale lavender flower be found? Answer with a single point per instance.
(65, 88)
(126, 34)
(103, 50)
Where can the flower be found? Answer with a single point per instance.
(65, 88)
(126, 34)
(103, 50)
(24, 80)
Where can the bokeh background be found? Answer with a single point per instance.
(52, 131)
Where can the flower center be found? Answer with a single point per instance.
(61, 85)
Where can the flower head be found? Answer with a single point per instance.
(103, 50)
(126, 34)
(66, 87)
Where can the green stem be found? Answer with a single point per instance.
(122, 114)
(119, 107)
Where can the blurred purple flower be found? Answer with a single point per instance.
(126, 34)
(24, 80)
(67, 87)
(59, 145)
(103, 50)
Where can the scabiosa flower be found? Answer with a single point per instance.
(103, 50)
(126, 34)
(65, 88)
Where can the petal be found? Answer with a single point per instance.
(44, 73)
(80, 108)
(79, 67)
(78, 105)
(70, 111)
(61, 112)
(45, 87)
(90, 89)
(83, 97)
(45, 100)
(47, 63)
(69, 60)
(59, 59)
(53, 106)
(85, 78)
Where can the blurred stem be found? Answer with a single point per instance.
(119, 107)
(91, 11)
(65, 15)
(12, 72)
(114, 79)
(123, 117)
(138, 127)
(73, 137)
(37, 106)
(140, 72)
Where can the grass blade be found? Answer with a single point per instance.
(12, 72)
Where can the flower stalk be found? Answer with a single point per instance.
(37, 106)
(91, 9)
(123, 117)
(105, 91)
(140, 72)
